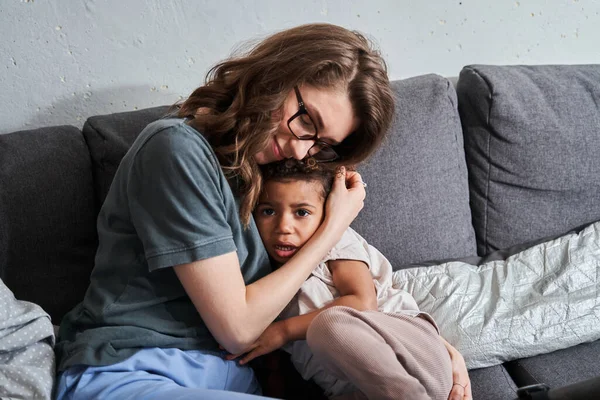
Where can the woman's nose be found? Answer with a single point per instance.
(300, 148)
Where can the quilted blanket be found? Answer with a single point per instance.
(542, 299)
(26, 349)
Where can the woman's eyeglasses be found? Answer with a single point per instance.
(303, 128)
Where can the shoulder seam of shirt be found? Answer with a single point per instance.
(188, 129)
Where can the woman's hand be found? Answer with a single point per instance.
(273, 338)
(461, 384)
(346, 199)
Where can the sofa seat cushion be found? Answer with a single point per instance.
(47, 221)
(532, 139)
(565, 367)
(417, 204)
(493, 383)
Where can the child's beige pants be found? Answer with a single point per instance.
(386, 356)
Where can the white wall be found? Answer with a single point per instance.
(64, 60)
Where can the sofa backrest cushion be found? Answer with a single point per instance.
(109, 137)
(532, 140)
(417, 205)
(47, 221)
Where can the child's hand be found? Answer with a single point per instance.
(271, 339)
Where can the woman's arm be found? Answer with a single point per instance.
(353, 281)
(237, 314)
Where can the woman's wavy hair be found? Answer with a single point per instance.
(234, 107)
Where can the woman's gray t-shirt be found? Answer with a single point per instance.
(169, 204)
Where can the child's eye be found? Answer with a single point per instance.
(267, 211)
(302, 213)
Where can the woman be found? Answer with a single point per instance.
(180, 268)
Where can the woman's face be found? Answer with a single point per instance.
(331, 111)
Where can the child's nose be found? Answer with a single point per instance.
(284, 224)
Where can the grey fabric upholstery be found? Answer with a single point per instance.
(109, 137)
(532, 139)
(492, 383)
(417, 205)
(565, 367)
(47, 221)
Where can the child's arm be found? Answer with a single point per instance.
(353, 281)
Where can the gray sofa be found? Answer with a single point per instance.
(508, 156)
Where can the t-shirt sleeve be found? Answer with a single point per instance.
(349, 247)
(176, 200)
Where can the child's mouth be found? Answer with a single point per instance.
(285, 251)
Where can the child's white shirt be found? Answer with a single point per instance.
(319, 290)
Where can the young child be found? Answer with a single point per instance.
(378, 345)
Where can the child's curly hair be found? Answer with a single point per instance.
(307, 170)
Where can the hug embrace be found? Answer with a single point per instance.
(225, 235)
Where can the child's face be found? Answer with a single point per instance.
(287, 215)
